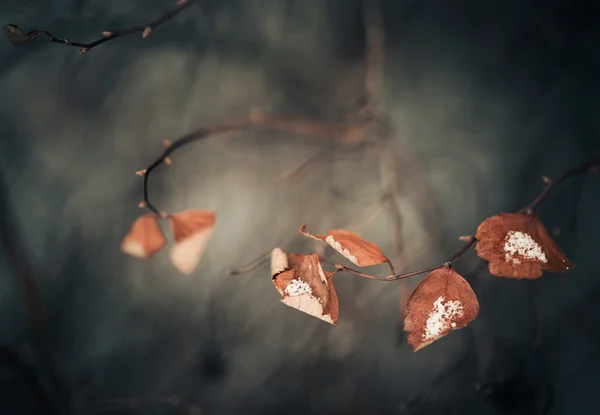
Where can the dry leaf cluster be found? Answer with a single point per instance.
(191, 231)
(515, 245)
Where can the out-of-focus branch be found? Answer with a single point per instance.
(17, 256)
(374, 58)
(12, 359)
(352, 132)
(17, 37)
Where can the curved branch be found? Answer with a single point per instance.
(344, 131)
(17, 37)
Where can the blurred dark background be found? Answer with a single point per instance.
(483, 98)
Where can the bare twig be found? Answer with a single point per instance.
(17, 37)
(588, 167)
(254, 264)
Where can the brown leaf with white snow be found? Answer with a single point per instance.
(145, 237)
(442, 302)
(519, 246)
(192, 230)
(309, 289)
(351, 246)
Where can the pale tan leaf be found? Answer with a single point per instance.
(145, 238)
(192, 230)
(283, 261)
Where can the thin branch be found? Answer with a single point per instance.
(17, 37)
(254, 264)
(342, 131)
(587, 167)
(315, 162)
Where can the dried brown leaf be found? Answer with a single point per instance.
(309, 289)
(351, 246)
(16, 35)
(192, 230)
(145, 237)
(442, 302)
(519, 246)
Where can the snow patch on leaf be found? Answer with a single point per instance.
(520, 243)
(297, 287)
(442, 318)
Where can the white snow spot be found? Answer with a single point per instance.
(442, 317)
(338, 247)
(520, 243)
(297, 287)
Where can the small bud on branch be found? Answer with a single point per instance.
(17, 37)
